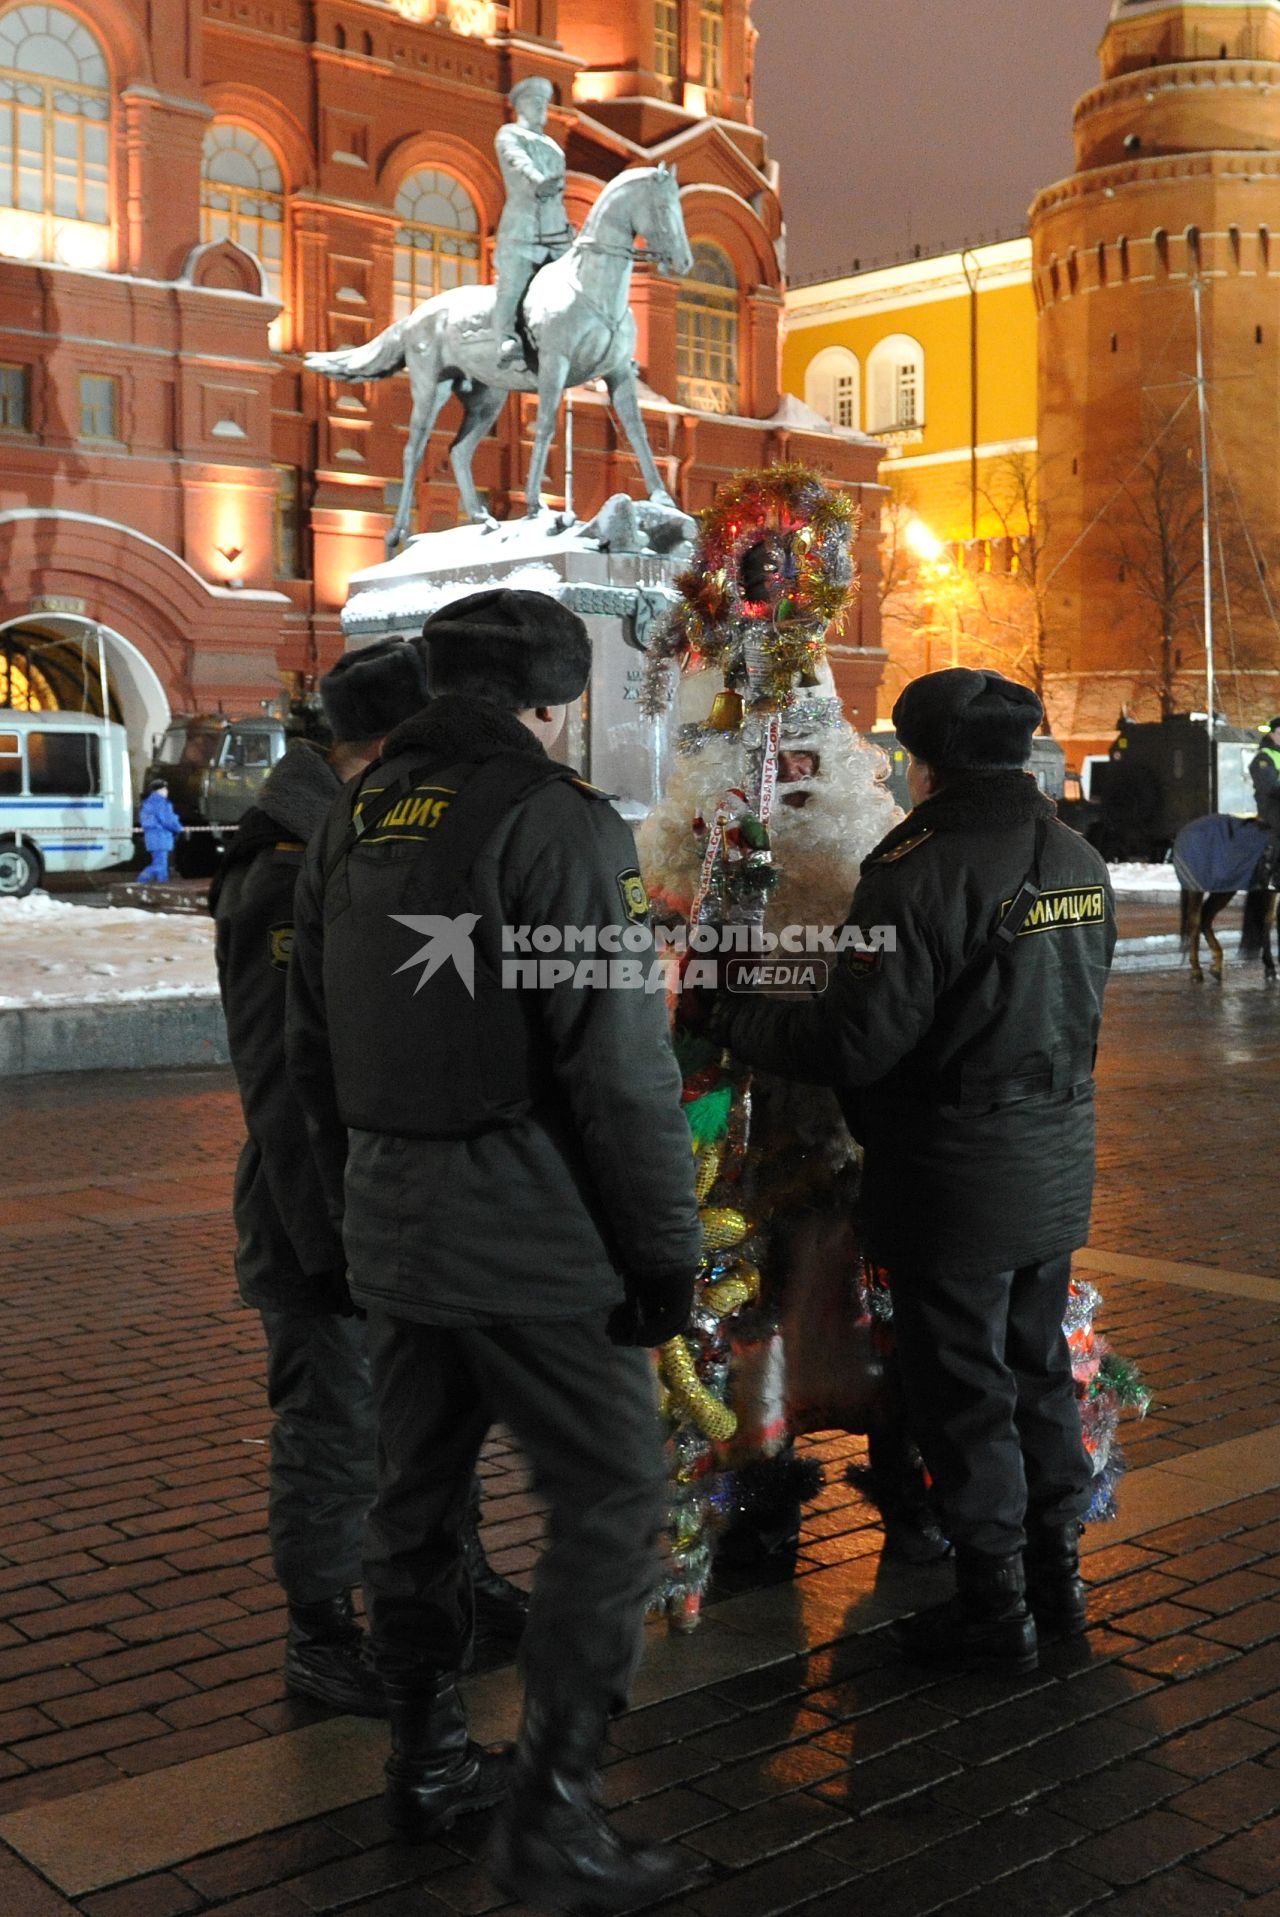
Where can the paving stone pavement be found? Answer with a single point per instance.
(797, 1763)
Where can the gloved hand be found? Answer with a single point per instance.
(655, 1309)
(333, 1294)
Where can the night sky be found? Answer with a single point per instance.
(917, 122)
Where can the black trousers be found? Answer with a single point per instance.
(584, 1412)
(991, 1399)
(322, 1451)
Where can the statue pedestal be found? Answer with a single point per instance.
(618, 594)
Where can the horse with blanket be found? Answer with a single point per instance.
(1215, 857)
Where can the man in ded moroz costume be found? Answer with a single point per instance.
(772, 804)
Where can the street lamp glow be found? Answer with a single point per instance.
(924, 543)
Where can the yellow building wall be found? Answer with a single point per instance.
(940, 492)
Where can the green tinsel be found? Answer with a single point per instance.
(708, 1116)
(1121, 1376)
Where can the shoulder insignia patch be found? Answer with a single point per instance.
(290, 845)
(1062, 908)
(897, 852)
(635, 899)
(279, 946)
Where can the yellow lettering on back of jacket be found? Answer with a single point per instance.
(415, 816)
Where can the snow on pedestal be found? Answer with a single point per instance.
(618, 594)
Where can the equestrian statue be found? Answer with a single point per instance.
(569, 322)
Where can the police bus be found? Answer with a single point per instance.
(66, 796)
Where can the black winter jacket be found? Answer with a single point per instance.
(288, 1253)
(540, 1213)
(1264, 770)
(968, 1077)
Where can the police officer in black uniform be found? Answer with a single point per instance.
(1264, 770)
(289, 1259)
(964, 1059)
(520, 1219)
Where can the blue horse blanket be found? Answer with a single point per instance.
(1219, 853)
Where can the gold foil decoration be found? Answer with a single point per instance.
(723, 1226)
(688, 1393)
(706, 1169)
(739, 1287)
(726, 712)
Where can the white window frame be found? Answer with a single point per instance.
(833, 384)
(896, 385)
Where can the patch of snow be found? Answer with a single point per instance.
(53, 952)
(793, 413)
(413, 600)
(1136, 876)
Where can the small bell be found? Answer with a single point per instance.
(726, 712)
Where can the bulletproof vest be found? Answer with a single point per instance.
(425, 1042)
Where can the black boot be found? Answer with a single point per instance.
(986, 1626)
(435, 1773)
(1055, 1589)
(894, 1481)
(550, 1846)
(326, 1658)
(501, 1607)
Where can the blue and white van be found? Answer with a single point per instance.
(66, 796)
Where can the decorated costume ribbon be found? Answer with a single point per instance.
(769, 770)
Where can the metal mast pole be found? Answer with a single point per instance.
(568, 456)
(1203, 407)
(971, 276)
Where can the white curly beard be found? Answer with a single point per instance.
(817, 850)
(817, 847)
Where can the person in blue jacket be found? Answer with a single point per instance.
(160, 827)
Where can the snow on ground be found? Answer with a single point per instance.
(56, 953)
(1142, 878)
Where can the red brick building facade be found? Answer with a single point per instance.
(194, 195)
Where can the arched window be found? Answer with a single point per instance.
(438, 244)
(55, 131)
(833, 386)
(895, 385)
(1160, 244)
(242, 199)
(707, 333)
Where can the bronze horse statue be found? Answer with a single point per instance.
(1215, 857)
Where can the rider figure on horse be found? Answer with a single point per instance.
(534, 228)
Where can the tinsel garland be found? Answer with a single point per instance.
(761, 650)
(767, 650)
(1106, 1387)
